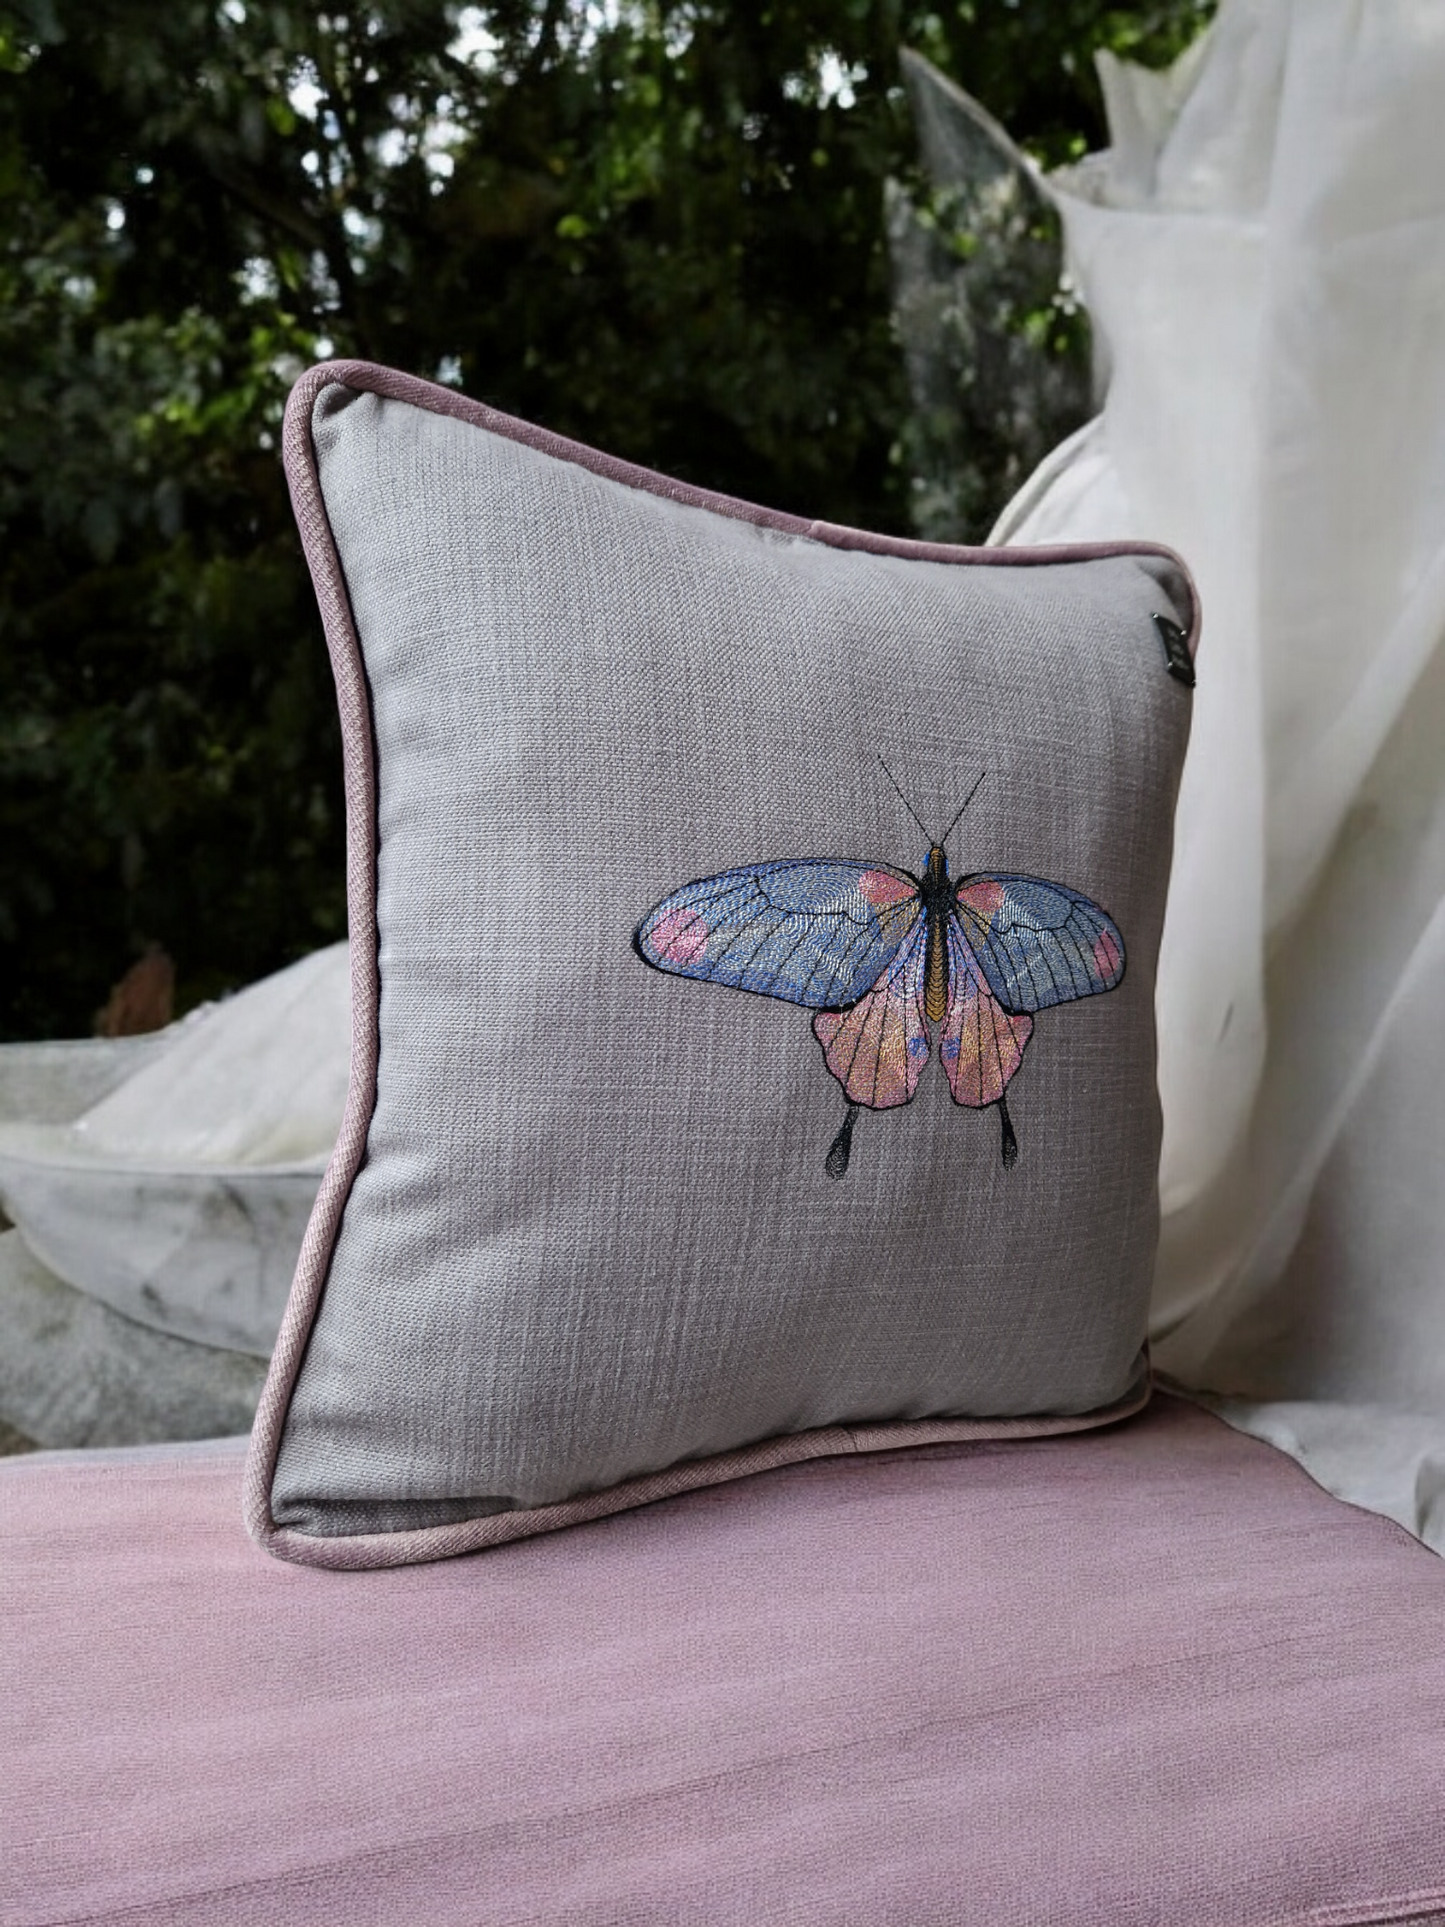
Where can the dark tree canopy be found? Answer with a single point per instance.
(654, 225)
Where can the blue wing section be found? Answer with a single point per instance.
(1038, 943)
(817, 933)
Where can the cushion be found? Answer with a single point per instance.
(1150, 1674)
(683, 836)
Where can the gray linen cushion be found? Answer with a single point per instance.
(601, 1224)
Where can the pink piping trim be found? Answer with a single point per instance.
(366, 1550)
(372, 1549)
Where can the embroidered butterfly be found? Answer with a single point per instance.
(885, 957)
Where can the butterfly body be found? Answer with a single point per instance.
(892, 965)
(933, 890)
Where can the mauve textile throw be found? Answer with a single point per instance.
(594, 1231)
(1147, 1677)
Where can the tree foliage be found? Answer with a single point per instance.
(653, 224)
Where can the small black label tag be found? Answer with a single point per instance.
(1176, 650)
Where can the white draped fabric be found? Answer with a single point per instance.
(1262, 251)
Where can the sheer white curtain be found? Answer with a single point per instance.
(1262, 250)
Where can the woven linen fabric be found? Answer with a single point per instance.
(584, 1227)
(1147, 1677)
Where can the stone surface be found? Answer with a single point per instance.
(74, 1372)
(172, 1177)
(201, 1254)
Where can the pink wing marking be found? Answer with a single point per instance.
(679, 937)
(877, 1048)
(882, 888)
(981, 1045)
(982, 897)
(1106, 957)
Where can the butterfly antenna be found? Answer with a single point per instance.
(904, 800)
(963, 806)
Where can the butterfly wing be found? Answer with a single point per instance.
(817, 933)
(877, 1048)
(1037, 944)
(981, 1044)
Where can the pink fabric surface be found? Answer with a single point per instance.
(1145, 1675)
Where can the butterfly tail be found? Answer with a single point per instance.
(841, 1149)
(1008, 1143)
